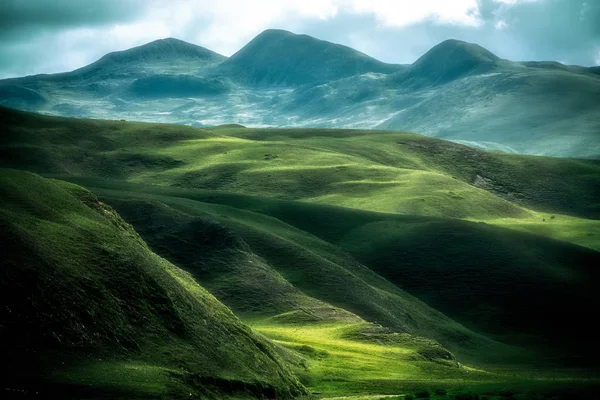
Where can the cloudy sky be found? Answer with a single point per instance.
(45, 36)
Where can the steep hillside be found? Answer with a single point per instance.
(277, 57)
(88, 310)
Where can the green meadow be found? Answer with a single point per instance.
(312, 263)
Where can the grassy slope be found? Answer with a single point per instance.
(377, 171)
(518, 280)
(88, 309)
(311, 265)
(305, 244)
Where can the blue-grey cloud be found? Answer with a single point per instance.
(56, 35)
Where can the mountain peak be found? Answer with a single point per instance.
(162, 49)
(279, 57)
(452, 59)
(275, 33)
(459, 51)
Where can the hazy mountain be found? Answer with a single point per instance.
(457, 91)
(277, 57)
(449, 60)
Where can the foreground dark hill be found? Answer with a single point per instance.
(88, 310)
(457, 91)
(277, 57)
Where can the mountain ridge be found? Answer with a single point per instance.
(457, 91)
(300, 59)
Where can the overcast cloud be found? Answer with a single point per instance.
(46, 36)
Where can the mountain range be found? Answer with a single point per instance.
(457, 91)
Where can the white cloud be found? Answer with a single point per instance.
(511, 26)
(401, 13)
(226, 25)
(500, 24)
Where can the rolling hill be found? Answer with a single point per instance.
(457, 91)
(89, 310)
(253, 215)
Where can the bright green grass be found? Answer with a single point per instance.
(337, 365)
(379, 171)
(580, 231)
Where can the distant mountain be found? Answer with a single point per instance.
(277, 57)
(160, 50)
(157, 56)
(450, 60)
(176, 86)
(457, 91)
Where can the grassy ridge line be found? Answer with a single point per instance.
(374, 170)
(332, 221)
(89, 310)
(435, 259)
(568, 186)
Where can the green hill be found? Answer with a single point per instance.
(330, 242)
(89, 310)
(521, 282)
(382, 171)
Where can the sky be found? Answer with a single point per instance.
(47, 36)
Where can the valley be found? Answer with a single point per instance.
(233, 262)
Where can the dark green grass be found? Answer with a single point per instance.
(513, 286)
(86, 303)
(234, 224)
(311, 265)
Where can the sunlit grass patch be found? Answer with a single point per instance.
(580, 231)
(336, 362)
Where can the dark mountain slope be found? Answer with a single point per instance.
(89, 311)
(157, 86)
(277, 57)
(517, 287)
